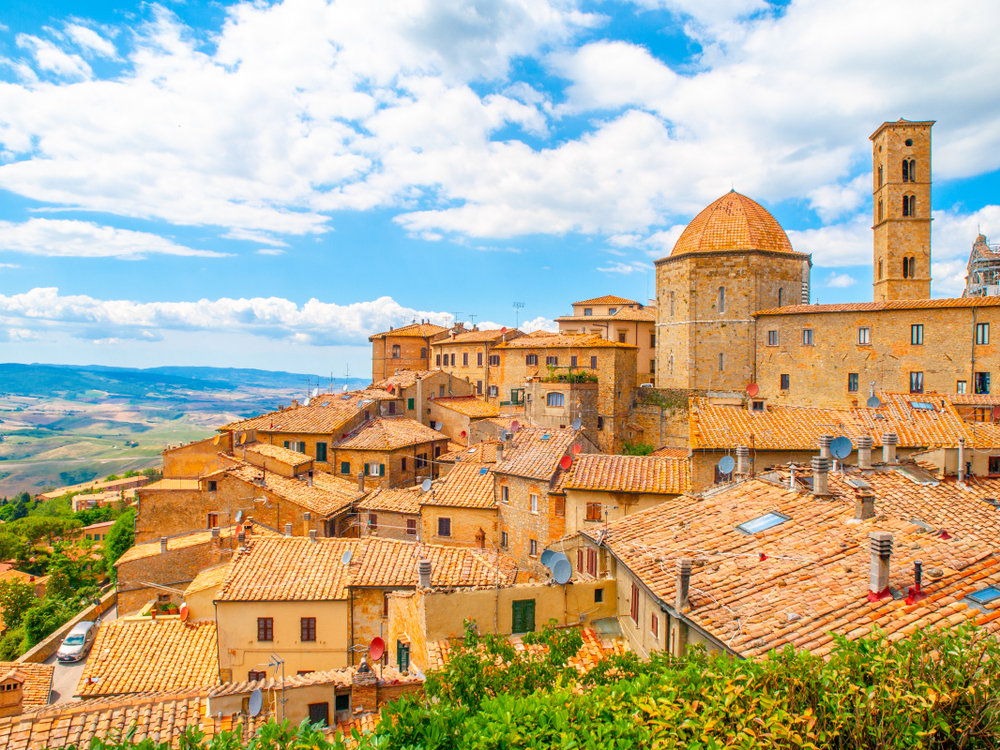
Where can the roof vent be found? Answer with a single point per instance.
(889, 442)
(288, 529)
(163, 544)
(865, 452)
(424, 573)
(881, 552)
(312, 535)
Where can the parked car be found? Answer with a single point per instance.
(77, 642)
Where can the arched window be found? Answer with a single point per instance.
(395, 351)
(880, 209)
(909, 205)
(779, 296)
(913, 170)
(880, 175)
(906, 268)
(554, 399)
(423, 352)
(913, 267)
(906, 170)
(722, 299)
(880, 270)
(722, 362)
(913, 205)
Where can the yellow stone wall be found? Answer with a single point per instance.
(410, 350)
(465, 523)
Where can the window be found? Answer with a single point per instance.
(522, 616)
(671, 304)
(559, 506)
(533, 547)
(531, 359)
(504, 542)
(212, 485)
(321, 451)
(880, 262)
(909, 170)
(319, 713)
(423, 352)
(722, 299)
(598, 596)
(395, 351)
(495, 360)
(960, 386)
(652, 341)
(612, 310)
(807, 337)
(592, 561)
(916, 382)
(622, 337)
(437, 360)
(635, 604)
(982, 382)
(411, 526)
(654, 626)
(504, 493)
(409, 403)
(909, 267)
(533, 502)
(909, 141)
(909, 205)
(421, 461)
(308, 626)
(265, 628)
(785, 382)
(452, 360)
(479, 359)
(403, 656)
(255, 675)
(494, 391)
(722, 362)
(781, 294)
(994, 465)
(375, 470)
(440, 391)
(345, 467)
(593, 363)
(917, 334)
(385, 604)
(392, 408)
(444, 527)
(552, 361)
(213, 520)
(772, 338)
(554, 399)
(572, 361)
(588, 311)
(762, 523)
(852, 382)
(373, 522)
(880, 175)
(342, 702)
(985, 596)
(652, 365)
(758, 406)
(864, 336)
(465, 359)
(600, 422)
(479, 387)
(881, 212)
(982, 337)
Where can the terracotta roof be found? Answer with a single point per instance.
(470, 406)
(468, 485)
(406, 501)
(418, 330)
(182, 541)
(720, 427)
(593, 650)
(403, 378)
(898, 304)
(641, 474)
(327, 495)
(536, 452)
(119, 662)
(667, 452)
(974, 399)
(323, 416)
(607, 299)
(803, 580)
(506, 422)
(478, 453)
(297, 569)
(207, 579)
(641, 316)
(337, 678)
(733, 222)
(388, 434)
(547, 340)
(36, 681)
(290, 457)
(479, 337)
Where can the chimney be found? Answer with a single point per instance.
(307, 516)
(889, 441)
(961, 460)
(683, 585)
(361, 481)
(881, 549)
(865, 452)
(481, 539)
(288, 529)
(163, 544)
(424, 573)
(500, 453)
(742, 459)
(821, 470)
(824, 446)
(791, 476)
(241, 538)
(295, 403)
(309, 478)
(864, 503)
(215, 533)
(312, 535)
(509, 440)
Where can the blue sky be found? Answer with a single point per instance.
(264, 185)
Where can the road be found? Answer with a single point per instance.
(67, 676)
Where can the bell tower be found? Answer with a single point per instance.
(901, 210)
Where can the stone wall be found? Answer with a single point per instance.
(175, 568)
(663, 415)
(414, 354)
(465, 524)
(195, 459)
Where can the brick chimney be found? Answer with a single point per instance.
(288, 529)
(364, 689)
(889, 442)
(481, 538)
(864, 503)
(824, 446)
(312, 535)
(742, 460)
(865, 452)
(821, 471)
(163, 544)
(361, 481)
(500, 453)
(424, 573)
(881, 552)
(683, 586)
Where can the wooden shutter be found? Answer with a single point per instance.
(381, 470)
(592, 561)
(523, 616)
(579, 560)
(635, 604)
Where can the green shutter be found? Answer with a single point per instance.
(381, 470)
(286, 443)
(403, 656)
(523, 616)
(409, 403)
(321, 451)
(366, 470)
(345, 467)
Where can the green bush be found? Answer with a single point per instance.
(16, 598)
(637, 449)
(119, 539)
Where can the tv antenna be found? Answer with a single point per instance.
(455, 315)
(518, 306)
(472, 319)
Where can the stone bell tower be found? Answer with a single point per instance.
(901, 210)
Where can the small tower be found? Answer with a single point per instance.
(901, 210)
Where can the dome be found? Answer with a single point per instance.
(734, 222)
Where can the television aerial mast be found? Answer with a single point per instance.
(518, 306)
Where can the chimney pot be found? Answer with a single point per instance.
(864, 504)
(215, 533)
(307, 516)
(424, 573)
(361, 481)
(742, 459)
(865, 452)
(889, 442)
(824, 446)
(500, 453)
(163, 544)
(881, 552)
(241, 538)
(961, 460)
(312, 535)
(821, 471)
(683, 584)
(288, 529)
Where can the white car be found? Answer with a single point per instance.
(77, 642)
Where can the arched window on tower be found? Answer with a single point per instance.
(913, 267)
(880, 270)
(906, 268)
(880, 175)
(906, 170)
(909, 205)
(779, 296)
(913, 170)
(722, 299)
(880, 209)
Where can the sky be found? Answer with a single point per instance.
(266, 184)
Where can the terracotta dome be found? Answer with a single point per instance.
(734, 222)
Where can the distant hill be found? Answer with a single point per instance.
(72, 381)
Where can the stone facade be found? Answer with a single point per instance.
(408, 348)
(466, 356)
(404, 466)
(465, 526)
(529, 531)
(195, 459)
(556, 405)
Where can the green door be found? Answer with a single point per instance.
(523, 616)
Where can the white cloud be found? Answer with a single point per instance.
(539, 324)
(270, 251)
(840, 280)
(91, 41)
(948, 277)
(68, 238)
(9, 265)
(834, 200)
(17, 335)
(627, 269)
(312, 323)
(845, 244)
(249, 236)
(49, 58)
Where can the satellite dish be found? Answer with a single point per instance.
(315, 392)
(343, 389)
(438, 425)
(577, 449)
(547, 556)
(306, 402)
(389, 388)
(239, 516)
(426, 485)
(562, 571)
(753, 389)
(506, 435)
(726, 465)
(243, 439)
(256, 702)
(185, 613)
(515, 426)
(996, 413)
(556, 557)
(376, 649)
(361, 402)
(346, 559)
(577, 423)
(873, 402)
(216, 439)
(503, 330)
(566, 461)
(841, 447)
(463, 433)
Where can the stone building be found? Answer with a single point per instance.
(389, 514)
(416, 390)
(618, 319)
(408, 347)
(455, 416)
(461, 509)
(389, 452)
(469, 355)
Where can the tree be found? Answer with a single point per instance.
(42, 619)
(35, 528)
(16, 598)
(68, 577)
(119, 538)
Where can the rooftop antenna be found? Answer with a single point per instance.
(472, 319)
(518, 306)
(455, 315)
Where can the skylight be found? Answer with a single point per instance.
(985, 596)
(762, 523)
(859, 483)
(922, 405)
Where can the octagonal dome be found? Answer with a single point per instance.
(733, 222)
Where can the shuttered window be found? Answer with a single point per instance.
(523, 616)
(265, 628)
(635, 604)
(592, 561)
